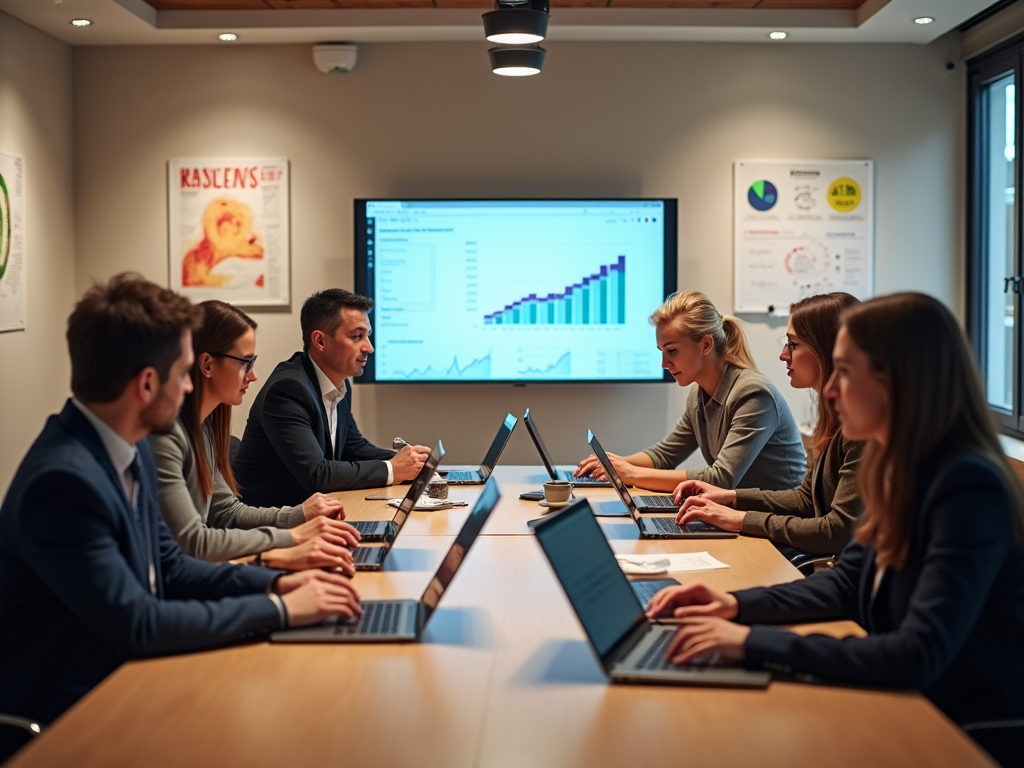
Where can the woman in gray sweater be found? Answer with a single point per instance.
(198, 492)
(734, 414)
(820, 515)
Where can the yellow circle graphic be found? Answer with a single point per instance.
(844, 194)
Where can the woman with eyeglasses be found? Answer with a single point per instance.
(935, 573)
(818, 517)
(198, 492)
(734, 414)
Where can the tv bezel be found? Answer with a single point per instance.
(362, 281)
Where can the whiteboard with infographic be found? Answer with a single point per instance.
(801, 228)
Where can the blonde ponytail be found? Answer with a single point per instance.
(736, 350)
(693, 314)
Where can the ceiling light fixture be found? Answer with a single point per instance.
(923, 20)
(81, 23)
(227, 37)
(517, 23)
(513, 61)
(517, 26)
(778, 35)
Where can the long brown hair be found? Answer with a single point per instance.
(693, 314)
(936, 401)
(223, 325)
(816, 321)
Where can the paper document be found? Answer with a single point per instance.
(649, 565)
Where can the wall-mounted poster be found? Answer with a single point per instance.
(12, 242)
(229, 230)
(801, 228)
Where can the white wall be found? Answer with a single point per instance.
(35, 122)
(604, 119)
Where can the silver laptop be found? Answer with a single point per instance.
(479, 476)
(397, 621)
(629, 646)
(662, 527)
(558, 474)
(372, 558)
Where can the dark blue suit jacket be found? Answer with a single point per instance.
(950, 623)
(75, 599)
(286, 455)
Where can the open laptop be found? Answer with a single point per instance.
(549, 465)
(396, 621)
(479, 476)
(629, 646)
(661, 527)
(372, 558)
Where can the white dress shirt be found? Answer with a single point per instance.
(122, 455)
(333, 395)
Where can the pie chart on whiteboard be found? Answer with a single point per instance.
(762, 195)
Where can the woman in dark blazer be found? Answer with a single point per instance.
(935, 573)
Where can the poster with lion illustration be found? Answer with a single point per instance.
(229, 230)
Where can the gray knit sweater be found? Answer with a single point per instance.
(220, 527)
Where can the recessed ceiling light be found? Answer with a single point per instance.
(778, 35)
(227, 37)
(923, 20)
(80, 23)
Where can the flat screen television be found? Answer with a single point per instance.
(515, 290)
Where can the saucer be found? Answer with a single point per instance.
(555, 504)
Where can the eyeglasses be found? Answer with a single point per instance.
(788, 343)
(250, 362)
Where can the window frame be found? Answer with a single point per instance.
(982, 70)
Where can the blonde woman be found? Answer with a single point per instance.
(735, 415)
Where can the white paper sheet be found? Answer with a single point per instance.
(648, 565)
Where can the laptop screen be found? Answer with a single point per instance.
(584, 563)
(499, 443)
(609, 468)
(470, 530)
(419, 484)
(541, 448)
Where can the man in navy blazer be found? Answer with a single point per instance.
(301, 436)
(90, 575)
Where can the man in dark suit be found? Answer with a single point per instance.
(90, 575)
(301, 437)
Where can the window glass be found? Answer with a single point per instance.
(999, 158)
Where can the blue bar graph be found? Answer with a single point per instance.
(598, 299)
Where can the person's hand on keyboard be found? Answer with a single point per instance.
(702, 636)
(331, 531)
(315, 553)
(312, 596)
(319, 505)
(691, 600)
(689, 488)
(701, 508)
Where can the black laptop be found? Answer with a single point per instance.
(629, 647)
(661, 527)
(372, 558)
(400, 621)
(558, 474)
(479, 476)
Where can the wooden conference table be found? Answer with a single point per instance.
(502, 678)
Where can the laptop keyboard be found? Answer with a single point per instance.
(379, 618)
(654, 657)
(668, 525)
(365, 554)
(567, 476)
(656, 501)
(365, 527)
(462, 476)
